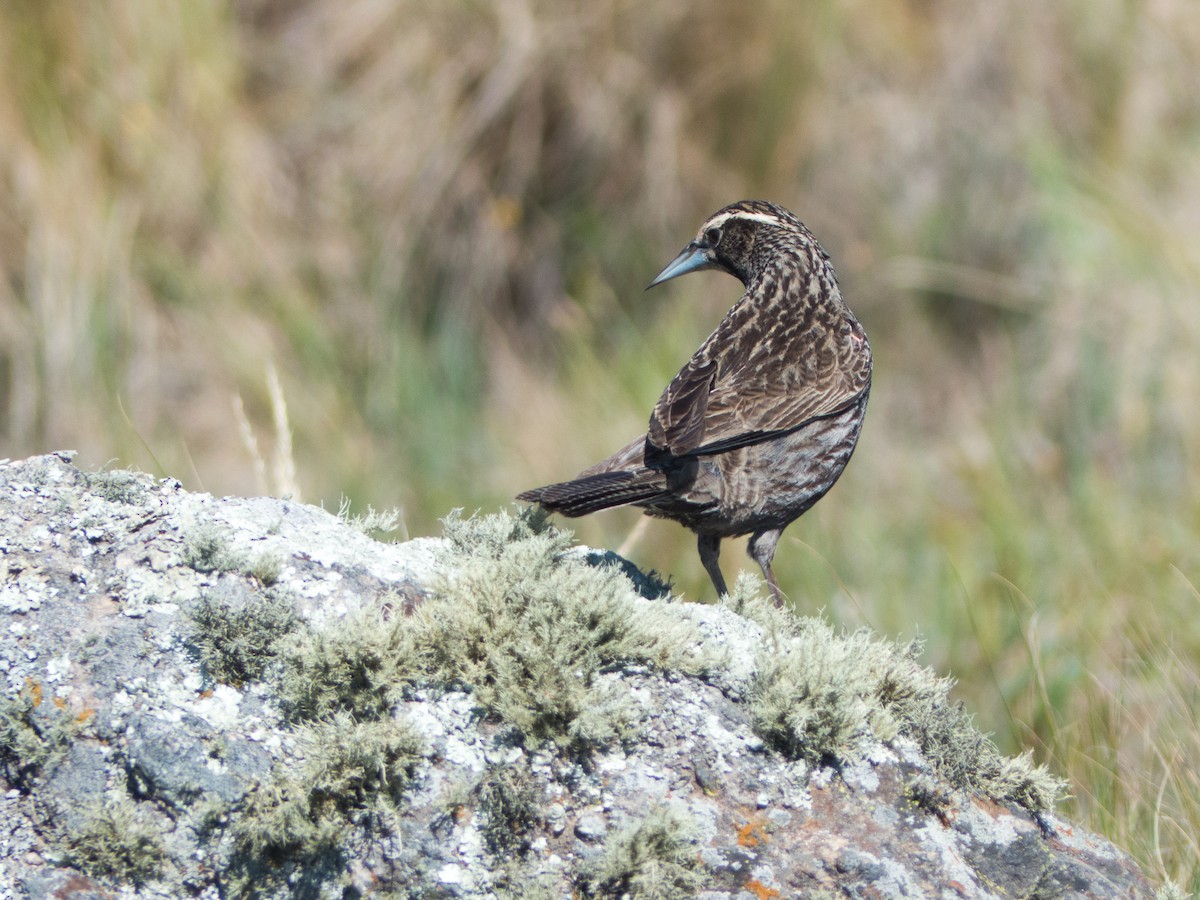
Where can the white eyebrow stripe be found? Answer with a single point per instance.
(765, 218)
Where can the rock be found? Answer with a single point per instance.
(556, 818)
(591, 827)
(229, 697)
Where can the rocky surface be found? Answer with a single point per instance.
(249, 697)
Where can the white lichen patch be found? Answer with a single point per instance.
(861, 776)
(1000, 828)
(942, 843)
(221, 708)
(58, 668)
(442, 721)
(24, 587)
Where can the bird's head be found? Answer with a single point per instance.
(728, 239)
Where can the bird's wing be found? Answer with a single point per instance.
(758, 375)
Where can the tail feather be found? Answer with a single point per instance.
(595, 492)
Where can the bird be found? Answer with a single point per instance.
(762, 420)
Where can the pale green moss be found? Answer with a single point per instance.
(656, 858)
(373, 521)
(351, 766)
(530, 627)
(360, 663)
(116, 843)
(238, 638)
(822, 697)
(31, 739)
(1172, 891)
(206, 549)
(264, 567)
(350, 774)
(525, 625)
(510, 806)
(117, 486)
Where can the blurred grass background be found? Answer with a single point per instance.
(395, 250)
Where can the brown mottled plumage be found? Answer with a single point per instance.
(762, 420)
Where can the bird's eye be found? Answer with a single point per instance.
(713, 236)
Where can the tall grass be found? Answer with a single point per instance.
(433, 222)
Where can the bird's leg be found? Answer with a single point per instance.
(710, 548)
(775, 591)
(762, 550)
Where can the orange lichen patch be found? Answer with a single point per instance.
(35, 692)
(86, 713)
(760, 890)
(60, 702)
(205, 694)
(752, 834)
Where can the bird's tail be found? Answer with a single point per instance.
(600, 491)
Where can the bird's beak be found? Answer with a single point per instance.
(693, 258)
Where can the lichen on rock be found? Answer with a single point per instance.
(251, 697)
